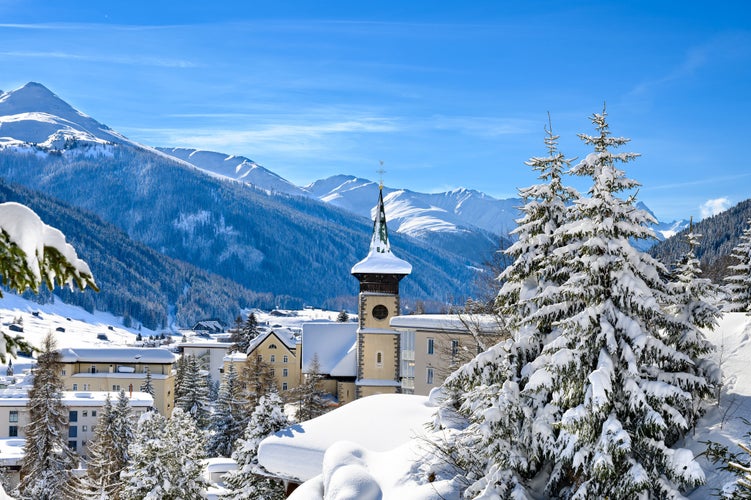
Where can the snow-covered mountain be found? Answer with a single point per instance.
(235, 167)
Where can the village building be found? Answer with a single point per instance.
(334, 345)
(112, 369)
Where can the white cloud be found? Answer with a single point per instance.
(714, 207)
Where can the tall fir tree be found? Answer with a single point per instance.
(165, 459)
(738, 284)
(148, 384)
(617, 380)
(242, 337)
(228, 421)
(486, 391)
(245, 482)
(47, 461)
(256, 379)
(309, 396)
(108, 451)
(194, 397)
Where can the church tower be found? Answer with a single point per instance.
(378, 346)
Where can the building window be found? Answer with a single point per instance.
(13, 416)
(63, 372)
(430, 376)
(272, 359)
(272, 346)
(75, 387)
(85, 413)
(73, 416)
(84, 428)
(86, 387)
(431, 345)
(284, 386)
(72, 445)
(379, 358)
(285, 372)
(93, 369)
(73, 431)
(259, 358)
(454, 348)
(93, 414)
(272, 372)
(285, 359)
(12, 431)
(115, 387)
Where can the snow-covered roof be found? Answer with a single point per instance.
(450, 323)
(379, 423)
(333, 343)
(285, 335)
(11, 451)
(14, 397)
(116, 355)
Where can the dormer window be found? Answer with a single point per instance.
(272, 346)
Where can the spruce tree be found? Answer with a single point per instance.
(148, 385)
(257, 380)
(165, 459)
(267, 418)
(738, 284)
(616, 378)
(308, 396)
(502, 440)
(47, 461)
(194, 397)
(242, 337)
(343, 317)
(108, 451)
(228, 421)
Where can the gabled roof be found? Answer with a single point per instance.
(334, 344)
(117, 355)
(285, 336)
(380, 260)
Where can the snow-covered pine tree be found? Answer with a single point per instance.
(692, 302)
(738, 285)
(47, 461)
(165, 459)
(194, 397)
(242, 337)
(148, 385)
(108, 451)
(342, 317)
(308, 396)
(505, 448)
(229, 420)
(617, 382)
(267, 418)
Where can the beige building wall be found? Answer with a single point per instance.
(127, 376)
(283, 362)
(368, 303)
(379, 356)
(437, 355)
(345, 392)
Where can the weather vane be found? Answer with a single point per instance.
(380, 173)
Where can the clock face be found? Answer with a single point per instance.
(380, 312)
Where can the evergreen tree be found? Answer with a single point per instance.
(108, 451)
(692, 302)
(229, 419)
(738, 284)
(267, 418)
(343, 317)
(256, 379)
(309, 397)
(147, 386)
(165, 459)
(194, 397)
(621, 386)
(507, 441)
(47, 461)
(241, 338)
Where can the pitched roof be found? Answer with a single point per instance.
(334, 344)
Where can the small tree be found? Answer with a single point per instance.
(242, 337)
(267, 418)
(47, 461)
(108, 451)
(166, 459)
(194, 397)
(308, 395)
(738, 285)
(343, 317)
(229, 418)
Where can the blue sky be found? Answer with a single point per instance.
(446, 93)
